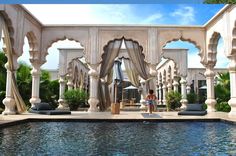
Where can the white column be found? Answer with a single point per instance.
(143, 93)
(188, 88)
(169, 86)
(160, 95)
(157, 94)
(164, 87)
(61, 101)
(93, 100)
(175, 84)
(35, 72)
(232, 72)
(210, 89)
(9, 102)
(184, 100)
(69, 83)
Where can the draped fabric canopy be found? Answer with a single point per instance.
(111, 51)
(137, 57)
(131, 72)
(20, 105)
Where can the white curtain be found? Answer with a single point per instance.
(137, 57)
(111, 51)
(20, 105)
(131, 72)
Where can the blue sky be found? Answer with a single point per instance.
(141, 14)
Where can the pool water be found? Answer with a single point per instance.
(119, 138)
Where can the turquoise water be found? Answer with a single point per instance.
(119, 138)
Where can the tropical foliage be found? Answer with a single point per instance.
(173, 100)
(222, 89)
(192, 98)
(49, 90)
(76, 98)
(222, 92)
(223, 106)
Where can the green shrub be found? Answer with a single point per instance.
(192, 98)
(173, 100)
(2, 96)
(76, 98)
(205, 106)
(223, 107)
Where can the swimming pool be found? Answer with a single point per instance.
(119, 138)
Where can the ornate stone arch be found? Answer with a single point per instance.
(33, 47)
(8, 22)
(212, 49)
(61, 39)
(122, 38)
(164, 76)
(170, 36)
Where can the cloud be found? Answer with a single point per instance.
(83, 13)
(185, 15)
(152, 18)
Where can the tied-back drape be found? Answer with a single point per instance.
(131, 72)
(20, 105)
(111, 51)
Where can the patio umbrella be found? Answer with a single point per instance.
(131, 87)
(203, 87)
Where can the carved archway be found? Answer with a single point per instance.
(212, 49)
(33, 47)
(122, 38)
(10, 28)
(62, 39)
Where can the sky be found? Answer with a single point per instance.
(138, 14)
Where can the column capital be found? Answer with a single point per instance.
(93, 70)
(209, 72)
(183, 80)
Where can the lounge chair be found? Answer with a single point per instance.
(193, 109)
(45, 108)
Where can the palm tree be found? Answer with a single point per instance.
(222, 89)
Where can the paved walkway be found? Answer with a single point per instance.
(124, 115)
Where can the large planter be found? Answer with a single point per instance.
(115, 108)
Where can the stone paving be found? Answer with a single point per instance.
(123, 116)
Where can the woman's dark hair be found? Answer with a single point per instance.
(150, 91)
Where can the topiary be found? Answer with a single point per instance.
(173, 100)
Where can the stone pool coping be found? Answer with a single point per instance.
(8, 120)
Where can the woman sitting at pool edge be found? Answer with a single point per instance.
(151, 101)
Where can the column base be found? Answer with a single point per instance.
(93, 105)
(232, 103)
(33, 101)
(211, 105)
(143, 104)
(63, 105)
(184, 103)
(10, 107)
